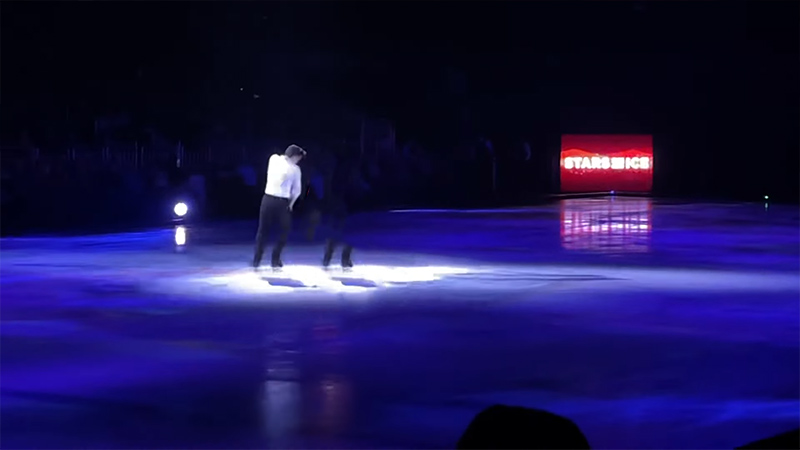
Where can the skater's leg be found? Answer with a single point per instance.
(285, 221)
(330, 246)
(346, 259)
(340, 236)
(264, 222)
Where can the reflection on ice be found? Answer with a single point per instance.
(281, 409)
(293, 397)
(180, 236)
(606, 225)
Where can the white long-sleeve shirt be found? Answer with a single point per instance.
(283, 178)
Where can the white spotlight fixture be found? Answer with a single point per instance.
(180, 209)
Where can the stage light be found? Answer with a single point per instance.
(766, 197)
(180, 209)
(180, 236)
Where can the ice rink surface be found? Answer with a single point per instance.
(650, 324)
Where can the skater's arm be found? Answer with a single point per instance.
(297, 188)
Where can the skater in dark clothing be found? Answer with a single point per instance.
(284, 186)
(325, 196)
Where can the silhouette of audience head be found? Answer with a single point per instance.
(509, 427)
(783, 441)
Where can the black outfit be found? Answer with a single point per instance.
(334, 207)
(272, 209)
(337, 211)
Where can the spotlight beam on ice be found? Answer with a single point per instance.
(475, 281)
(331, 280)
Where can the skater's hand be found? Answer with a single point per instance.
(290, 208)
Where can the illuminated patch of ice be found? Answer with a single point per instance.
(314, 277)
(390, 274)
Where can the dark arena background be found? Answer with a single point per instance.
(587, 210)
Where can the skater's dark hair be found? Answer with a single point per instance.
(294, 150)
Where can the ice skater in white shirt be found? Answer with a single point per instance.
(282, 191)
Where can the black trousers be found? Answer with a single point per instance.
(272, 209)
(336, 210)
(336, 239)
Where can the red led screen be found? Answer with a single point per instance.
(600, 163)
